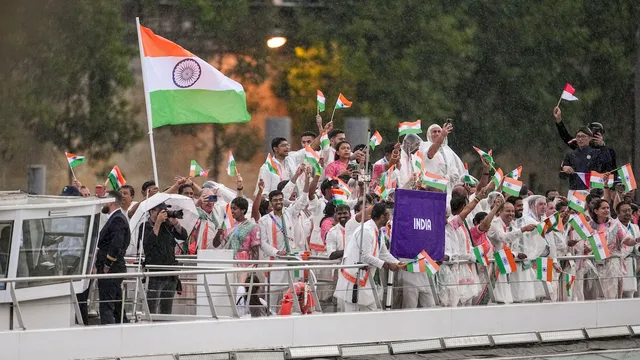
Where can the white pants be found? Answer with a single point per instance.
(416, 291)
(350, 307)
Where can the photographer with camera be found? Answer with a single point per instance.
(160, 234)
(596, 142)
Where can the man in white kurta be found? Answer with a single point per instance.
(277, 235)
(501, 234)
(353, 290)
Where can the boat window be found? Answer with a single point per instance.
(52, 247)
(6, 231)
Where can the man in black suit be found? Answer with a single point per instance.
(112, 245)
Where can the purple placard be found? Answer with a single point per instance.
(419, 219)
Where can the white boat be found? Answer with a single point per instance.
(39, 310)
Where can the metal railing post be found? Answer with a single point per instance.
(232, 302)
(314, 291)
(212, 308)
(294, 297)
(434, 291)
(374, 291)
(76, 305)
(145, 303)
(488, 270)
(16, 305)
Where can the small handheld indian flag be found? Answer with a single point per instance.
(467, 178)
(505, 261)
(343, 186)
(580, 225)
(115, 178)
(339, 196)
(497, 178)
(196, 170)
(568, 282)
(544, 269)
(627, 178)
(324, 141)
(312, 158)
(342, 102)
(228, 222)
(74, 160)
(516, 173)
(552, 223)
(386, 180)
(567, 93)
(418, 162)
(598, 242)
(231, 165)
(596, 181)
(320, 100)
(577, 200)
(512, 186)
(407, 127)
(486, 156)
(435, 181)
(271, 165)
(375, 140)
(481, 255)
(423, 263)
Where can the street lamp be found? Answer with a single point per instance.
(276, 38)
(275, 42)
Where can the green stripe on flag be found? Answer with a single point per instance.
(178, 107)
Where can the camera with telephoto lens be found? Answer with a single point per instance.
(176, 214)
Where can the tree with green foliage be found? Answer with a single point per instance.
(76, 72)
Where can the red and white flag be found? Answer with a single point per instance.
(567, 93)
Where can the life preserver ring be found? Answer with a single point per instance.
(304, 296)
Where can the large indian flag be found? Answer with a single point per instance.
(184, 89)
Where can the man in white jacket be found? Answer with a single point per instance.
(353, 290)
(277, 233)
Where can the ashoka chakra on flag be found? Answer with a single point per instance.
(186, 73)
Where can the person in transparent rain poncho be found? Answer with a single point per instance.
(620, 243)
(524, 285)
(502, 233)
(556, 245)
(459, 282)
(439, 158)
(405, 168)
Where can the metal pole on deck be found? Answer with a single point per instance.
(354, 297)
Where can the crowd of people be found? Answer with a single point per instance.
(294, 211)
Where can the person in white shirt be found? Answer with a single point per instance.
(337, 235)
(277, 231)
(524, 286)
(354, 223)
(502, 234)
(629, 282)
(439, 158)
(460, 282)
(285, 166)
(353, 290)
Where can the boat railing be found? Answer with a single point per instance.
(209, 288)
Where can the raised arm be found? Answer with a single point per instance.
(435, 146)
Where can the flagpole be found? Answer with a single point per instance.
(363, 211)
(148, 106)
(333, 113)
(559, 100)
(73, 173)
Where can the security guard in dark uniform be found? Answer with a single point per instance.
(112, 245)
